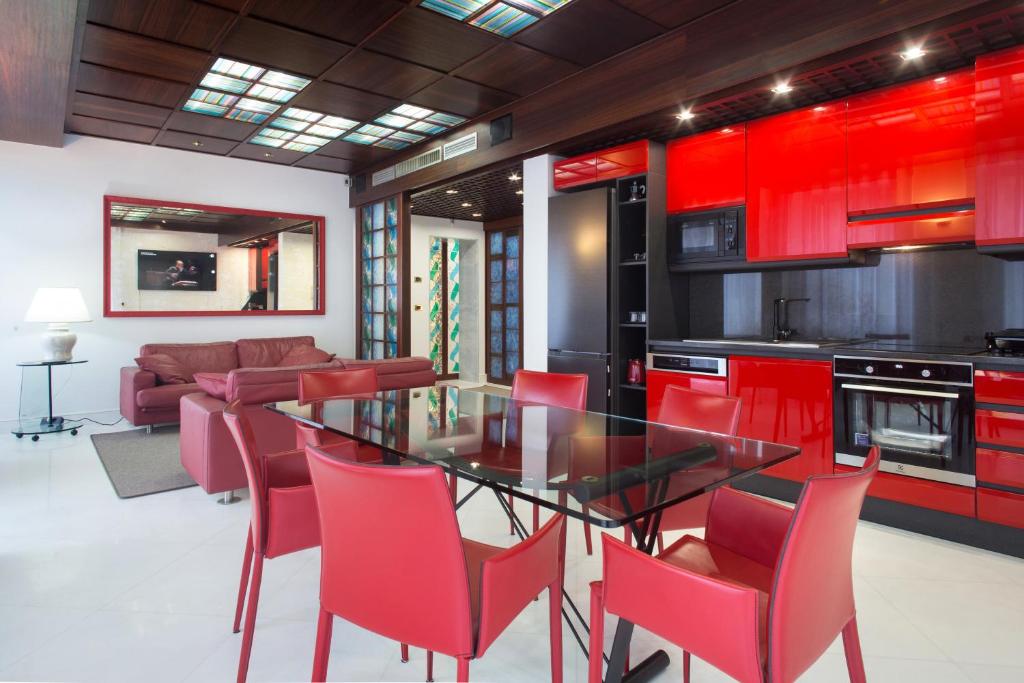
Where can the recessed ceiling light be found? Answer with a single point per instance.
(466, 204)
(477, 215)
(268, 154)
(782, 87)
(685, 115)
(514, 177)
(519, 191)
(197, 143)
(451, 191)
(913, 52)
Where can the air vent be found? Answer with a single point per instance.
(384, 175)
(416, 163)
(460, 146)
(359, 183)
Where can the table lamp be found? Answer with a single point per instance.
(58, 306)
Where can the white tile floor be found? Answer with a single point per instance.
(93, 588)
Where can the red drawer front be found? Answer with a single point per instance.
(999, 427)
(992, 386)
(658, 380)
(934, 495)
(1000, 467)
(938, 229)
(1001, 507)
(707, 171)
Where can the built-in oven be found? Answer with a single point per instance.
(919, 412)
(706, 236)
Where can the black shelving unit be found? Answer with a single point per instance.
(629, 253)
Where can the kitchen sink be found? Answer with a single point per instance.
(767, 341)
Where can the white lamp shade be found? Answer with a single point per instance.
(57, 305)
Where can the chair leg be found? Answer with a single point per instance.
(627, 536)
(555, 617)
(405, 653)
(322, 653)
(596, 662)
(661, 542)
(851, 644)
(686, 667)
(250, 619)
(536, 515)
(244, 582)
(462, 670)
(511, 522)
(430, 666)
(453, 486)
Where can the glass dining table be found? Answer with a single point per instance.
(603, 469)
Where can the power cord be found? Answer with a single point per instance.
(97, 422)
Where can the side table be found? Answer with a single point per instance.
(50, 424)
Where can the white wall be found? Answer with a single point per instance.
(52, 201)
(422, 229)
(537, 187)
(232, 272)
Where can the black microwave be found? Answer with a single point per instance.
(718, 235)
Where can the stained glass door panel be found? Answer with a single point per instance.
(504, 336)
(378, 306)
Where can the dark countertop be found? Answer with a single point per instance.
(980, 359)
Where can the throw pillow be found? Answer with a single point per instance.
(304, 355)
(213, 383)
(168, 370)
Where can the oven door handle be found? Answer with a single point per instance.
(894, 390)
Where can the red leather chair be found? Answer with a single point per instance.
(323, 384)
(778, 581)
(377, 577)
(284, 518)
(562, 390)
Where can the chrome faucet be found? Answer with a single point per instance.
(780, 324)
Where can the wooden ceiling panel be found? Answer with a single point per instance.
(233, 5)
(360, 154)
(343, 101)
(587, 31)
(517, 69)
(209, 125)
(208, 145)
(427, 38)
(267, 44)
(100, 80)
(349, 21)
(379, 73)
(180, 21)
(119, 110)
(261, 153)
(324, 163)
(461, 97)
(135, 53)
(111, 129)
(672, 13)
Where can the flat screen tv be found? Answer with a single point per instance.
(192, 271)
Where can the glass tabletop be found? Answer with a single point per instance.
(605, 469)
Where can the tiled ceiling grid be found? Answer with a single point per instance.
(949, 49)
(354, 61)
(488, 196)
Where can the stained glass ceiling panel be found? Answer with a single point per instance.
(504, 17)
(263, 91)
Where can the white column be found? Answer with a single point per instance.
(537, 187)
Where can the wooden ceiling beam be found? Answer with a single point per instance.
(35, 69)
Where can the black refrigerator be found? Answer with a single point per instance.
(578, 230)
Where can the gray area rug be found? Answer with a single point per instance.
(139, 464)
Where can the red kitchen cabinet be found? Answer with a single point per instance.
(999, 110)
(796, 185)
(934, 495)
(912, 146)
(1001, 507)
(998, 427)
(789, 402)
(994, 386)
(1000, 468)
(658, 380)
(936, 228)
(707, 171)
(607, 164)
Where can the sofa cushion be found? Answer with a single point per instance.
(304, 355)
(212, 357)
(168, 370)
(399, 373)
(262, 385)
(164, 396)
(267, 352)
(213, 383)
